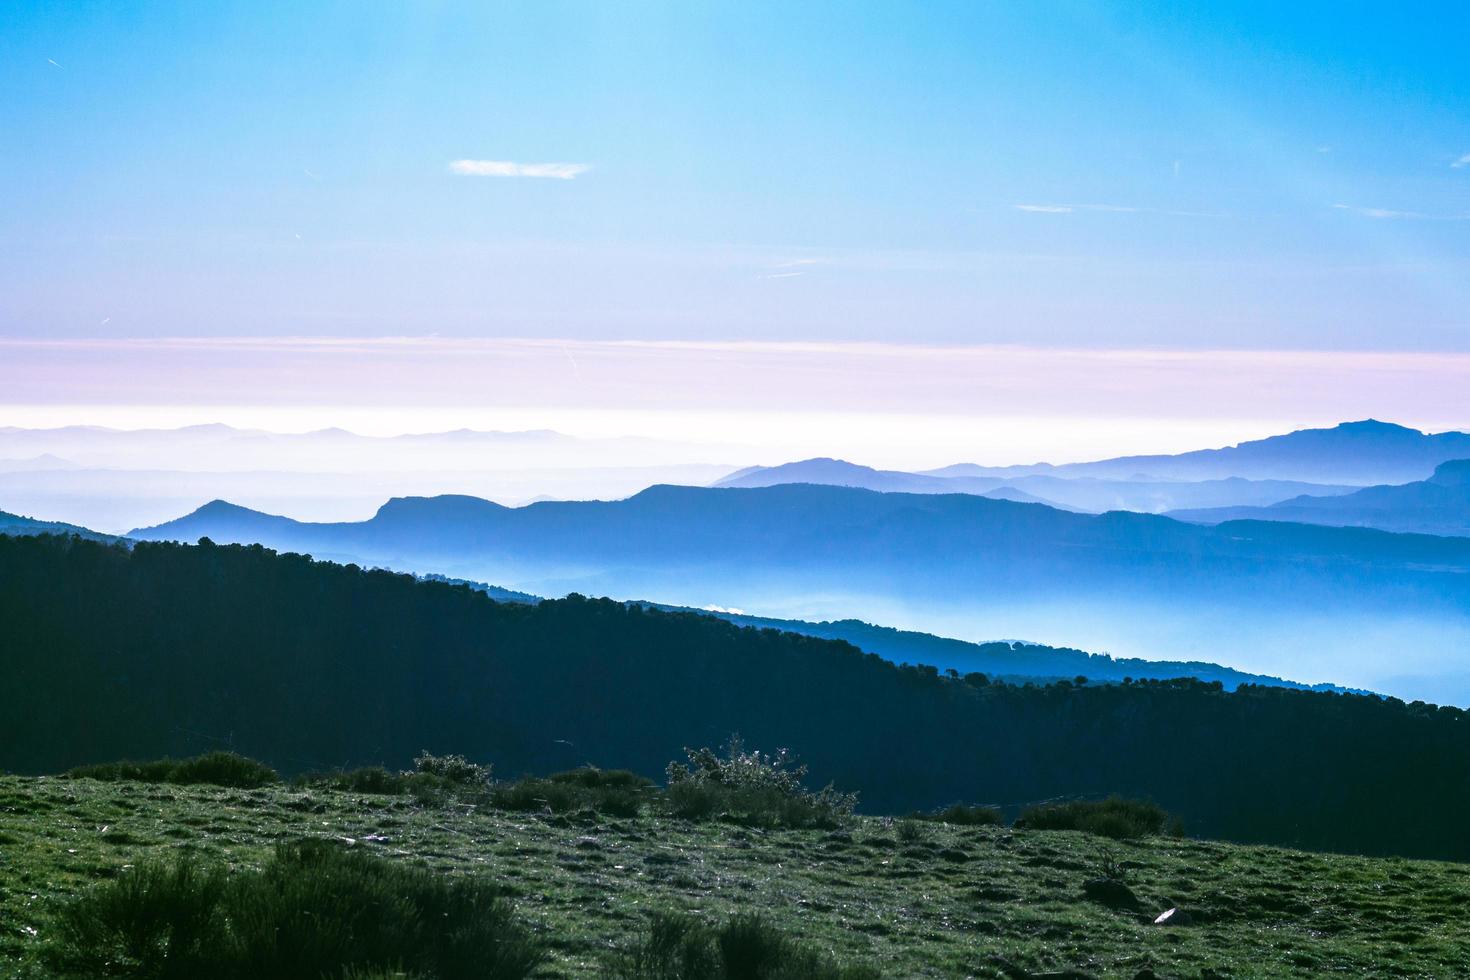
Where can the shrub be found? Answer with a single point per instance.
(453, 769)
(962, 815)
(910, 831)
(1114, 817)
(592, 777)
(532, 795)
(315, 910)
(751, 787)
(680, 947)
(156, 771)
(214, 769)
(369, 779)
(224, 769)
(616, 792)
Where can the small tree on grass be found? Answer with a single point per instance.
(750, 786)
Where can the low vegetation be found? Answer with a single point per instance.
(747, 947)
(314, 910)
(1114, 817)
(213, 769)
(615, 792)
(594, 892)
(964, 815)
(752, 788)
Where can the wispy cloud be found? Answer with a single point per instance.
(1390, 213)
(791, 268)
(1464, 161)
(1110, 209)
(509, 168)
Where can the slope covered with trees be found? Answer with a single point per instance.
(166, 648)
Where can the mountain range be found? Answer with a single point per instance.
(1308, 462)
(1012, 661)
(1079, 493)
(1004, 660)
(1360, 453)
(1438, 505)
(15, 524)
(1365, 608)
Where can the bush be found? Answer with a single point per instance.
(224, 769)
(453, 769)
(910, 831)
(156, 771)
(1114, 817)
(616, 792)
(315, 910)
(592, 777)
(752, 788)
(213, 769)
(962, 815)
(374, 780)
(532, 795)
(680, 947)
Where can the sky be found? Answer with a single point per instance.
(963, 201)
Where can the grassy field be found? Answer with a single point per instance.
(912, 899)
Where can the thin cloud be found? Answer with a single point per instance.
(1464, 161)
(1110, 209)
(509, 168)
(50, 61)
(1390, 213)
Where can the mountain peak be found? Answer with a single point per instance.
(1376, 427)
(446, 506)
(220, 508)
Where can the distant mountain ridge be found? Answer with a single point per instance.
(1005, 660)
(1364, 453)
(15, 524)
(1088, 494)
(1438, 505)
(1312, 601)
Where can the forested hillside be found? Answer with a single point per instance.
(167, 648)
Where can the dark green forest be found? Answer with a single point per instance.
(110, 652)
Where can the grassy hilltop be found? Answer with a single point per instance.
(907, 898)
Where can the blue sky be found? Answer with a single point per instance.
(1258, 175)
(1131, 177)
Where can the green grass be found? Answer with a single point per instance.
(941, 900)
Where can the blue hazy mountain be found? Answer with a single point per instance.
(944, 540)
(1362, 453)
(1005, 660)
(1360, 607)
(18, 525)
(1002, 660)
(1438, 505)
(1082, 493)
